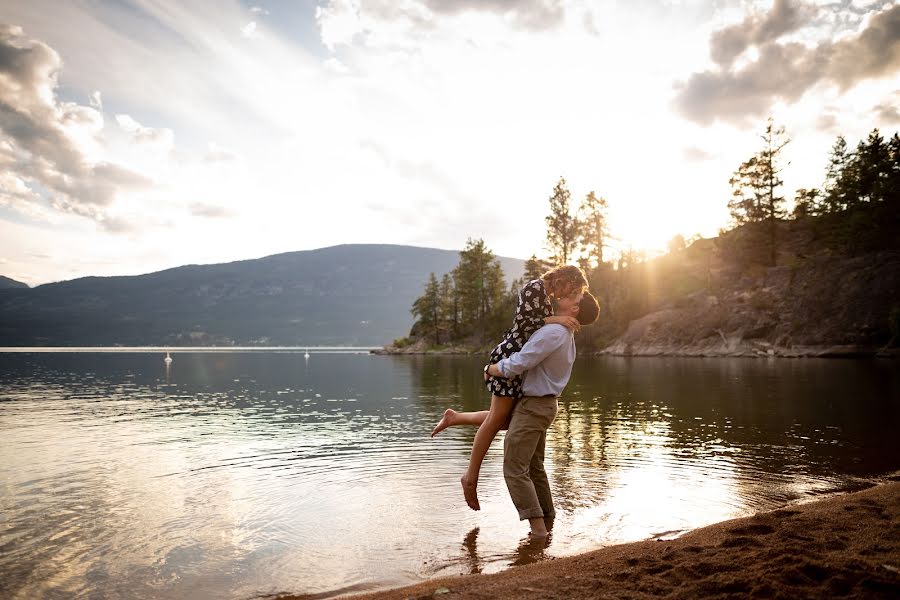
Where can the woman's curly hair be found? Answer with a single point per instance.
(564, 281)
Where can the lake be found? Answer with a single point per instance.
(245, 474)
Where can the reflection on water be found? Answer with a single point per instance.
(238, 475)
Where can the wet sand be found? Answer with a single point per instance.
(845, 546)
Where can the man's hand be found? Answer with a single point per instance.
(570, 323)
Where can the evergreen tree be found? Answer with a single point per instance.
(773, 204)
(563, 229)
(748, 189)
(479, 283)
(676, 244)
(448, 308)
(807, 203)
(534, 268)
(873, 167)
(838, 178)
(426, 309)
(893, 177)
(755, 185)
(592, 217)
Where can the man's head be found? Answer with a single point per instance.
(588, 309)
(581, 305)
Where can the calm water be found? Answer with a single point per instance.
(237, 475)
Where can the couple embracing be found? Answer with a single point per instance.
(528, 370)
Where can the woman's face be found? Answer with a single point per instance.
(568, 306)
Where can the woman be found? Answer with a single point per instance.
(534, 310)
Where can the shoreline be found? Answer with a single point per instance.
(756, 350)
(845, 545)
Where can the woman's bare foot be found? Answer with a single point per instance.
(470, 491)
(446, 421)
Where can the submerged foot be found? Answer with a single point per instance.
(470, 491)
(445, 422)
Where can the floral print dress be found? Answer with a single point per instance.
(533, 306)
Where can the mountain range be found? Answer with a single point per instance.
(347, 295)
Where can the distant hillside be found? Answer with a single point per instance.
(355, 294)
(6, 283)
(704, 301)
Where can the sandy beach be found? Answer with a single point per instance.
(844, 546)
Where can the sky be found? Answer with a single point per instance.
(139, 135)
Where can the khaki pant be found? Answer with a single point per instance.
(523, 456)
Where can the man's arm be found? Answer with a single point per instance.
(543, 342)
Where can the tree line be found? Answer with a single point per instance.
(855, 210)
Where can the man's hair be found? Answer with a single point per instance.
(588, 309)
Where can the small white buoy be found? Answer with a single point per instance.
(306, 354)
(168, 359)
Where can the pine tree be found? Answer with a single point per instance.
(592, 217)
(807, 203)
(838, 178)
(426, 310)
(873, 166)
(479, 284)
(534, 268)
(563, 229)
(755, 186)
(748, 188)
(448, 308)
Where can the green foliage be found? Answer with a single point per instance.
(755, 185)
(860, 208)
(563, 229)
(426, 309)
(470, 304)
(806, 203)
(534, 268)
(593, 229)
(402, 342)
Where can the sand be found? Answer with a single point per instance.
(844, 546)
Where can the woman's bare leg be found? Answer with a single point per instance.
(452, 418)
(497, 418)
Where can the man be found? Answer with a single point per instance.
(546, 359)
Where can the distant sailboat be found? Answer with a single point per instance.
(167, 359)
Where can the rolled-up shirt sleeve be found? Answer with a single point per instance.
(544, 341)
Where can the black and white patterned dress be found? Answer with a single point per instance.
(534, 305)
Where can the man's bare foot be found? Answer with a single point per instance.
(470, 491)
(446, 421)
(538, 528)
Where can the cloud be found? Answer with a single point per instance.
(889, 110)
(96, 101)
(694, 154)
(786, 71)
(338, 22)
(729, 43)
(217, 153)
(50, 145)
(258, 10)
(827, 122)
(212, 211)
(249, 30)
(531, 15)
(341, 21)
(163, 138)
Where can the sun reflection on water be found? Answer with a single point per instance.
(243, 475)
